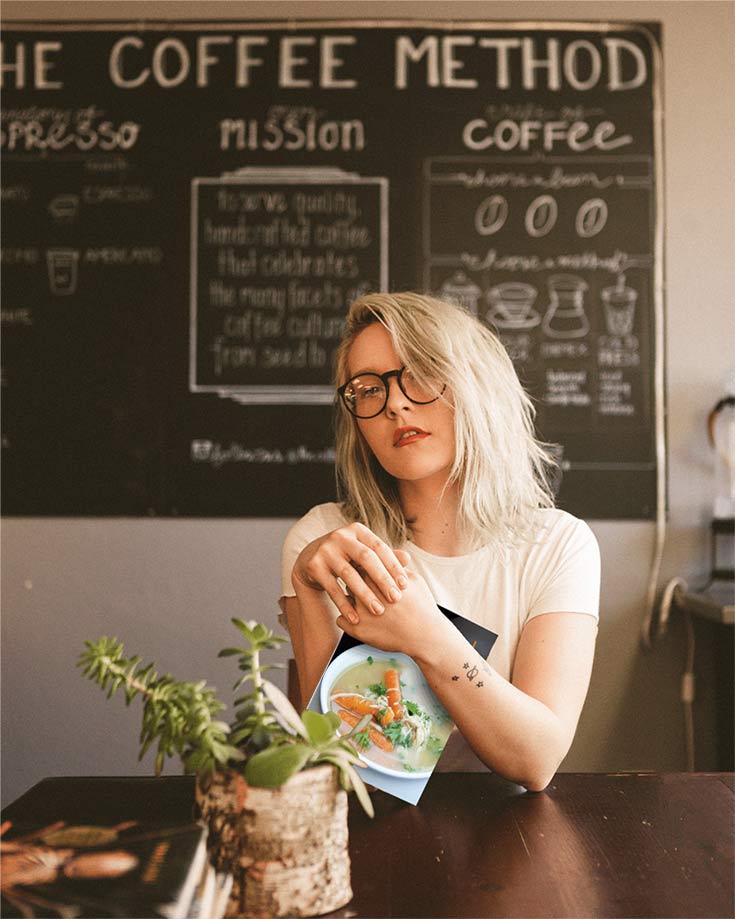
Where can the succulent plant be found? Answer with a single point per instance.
(267, 742)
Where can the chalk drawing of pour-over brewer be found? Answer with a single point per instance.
(565, 316)
(256, 385)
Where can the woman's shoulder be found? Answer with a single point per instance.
(555, 525)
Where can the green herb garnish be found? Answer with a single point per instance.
(370, 660)
(398, 734)
(434, 745)
(378, 689)
(414, 709)
(363, 738)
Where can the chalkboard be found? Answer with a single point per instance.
(188, 209)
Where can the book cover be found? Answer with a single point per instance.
(128, 870)
(409, 726)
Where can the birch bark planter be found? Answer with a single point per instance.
(286, 847)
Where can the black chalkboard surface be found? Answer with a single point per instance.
(188, 209)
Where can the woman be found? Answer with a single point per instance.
(445, 502)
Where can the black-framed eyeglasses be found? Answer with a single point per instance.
(366, 395)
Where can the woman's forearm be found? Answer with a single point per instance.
(511, 732)
(314, 635)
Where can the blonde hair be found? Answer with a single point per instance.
(500, 466)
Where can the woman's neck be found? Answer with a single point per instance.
(432, 514)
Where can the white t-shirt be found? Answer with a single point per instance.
(556, 571)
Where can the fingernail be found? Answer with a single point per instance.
(354, 618)
(402, 581)
(394, 594)
(378, 608)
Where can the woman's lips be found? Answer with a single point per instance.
(404, 436)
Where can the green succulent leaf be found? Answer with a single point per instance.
(320, 728)
(361, 726)
(360, 790)
(334, 719)
(272, 767)
(281, 704)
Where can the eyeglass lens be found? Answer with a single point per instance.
(367, 395)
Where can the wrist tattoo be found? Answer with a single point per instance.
(472, 671)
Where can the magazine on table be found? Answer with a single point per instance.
(409, 726)
(132, 869)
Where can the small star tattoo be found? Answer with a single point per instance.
(465, 666)
(455, 677)
(479, 684)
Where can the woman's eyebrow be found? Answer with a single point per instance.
(360, 373)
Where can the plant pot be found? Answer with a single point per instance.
(285, 847)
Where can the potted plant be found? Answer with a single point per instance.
(271, 785)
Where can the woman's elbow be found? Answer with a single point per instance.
(538, 782)
(537, 772)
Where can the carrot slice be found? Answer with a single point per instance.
(380, 740)
(393, 685)
(354, 702)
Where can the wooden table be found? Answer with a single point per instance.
(625, 845)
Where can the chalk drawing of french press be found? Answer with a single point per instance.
(565, 316)
(461, 290)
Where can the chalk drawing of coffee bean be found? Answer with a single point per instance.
(591, 218)
(541, 215)
(491, 215)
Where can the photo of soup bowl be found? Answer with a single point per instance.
(408, 727)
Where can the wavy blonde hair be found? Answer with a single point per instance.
(501, 468)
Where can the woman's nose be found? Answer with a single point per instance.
(396, 401)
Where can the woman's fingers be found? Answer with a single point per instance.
(379, 561)
(355, 582)
(403, 557)
(355, 567)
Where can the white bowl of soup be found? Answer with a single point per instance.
(408, 726)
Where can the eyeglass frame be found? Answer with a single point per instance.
(384, 378)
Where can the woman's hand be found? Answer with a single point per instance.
(411, 625)
(368, 567)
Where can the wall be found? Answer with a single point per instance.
(168, 587)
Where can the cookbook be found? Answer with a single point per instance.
(409, 726)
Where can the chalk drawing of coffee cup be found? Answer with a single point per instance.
(512, 306)
(62, 267)
(64, 208)
(619, 304)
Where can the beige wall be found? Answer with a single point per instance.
(168, 587)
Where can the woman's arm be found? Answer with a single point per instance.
(521, 729)
(314, 636)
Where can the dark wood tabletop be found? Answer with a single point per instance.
(622, 845)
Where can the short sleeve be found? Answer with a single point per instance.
(319, 520)
(565, 571)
